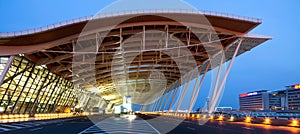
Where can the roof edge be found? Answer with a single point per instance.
(128, 12)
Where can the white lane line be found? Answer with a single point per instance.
(39, 128)
(152, 127)
(60, 124)
(4, 129)
(86, 130)
(248, 128)
(191, 128)
(23, 125)
(11, 126)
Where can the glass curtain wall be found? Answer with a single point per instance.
(3, 61)
(33, 89)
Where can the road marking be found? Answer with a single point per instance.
(248, 128)
(60, 124)
(152, 127)
(23, 125)
(190, 128)
(4, 129)
(39, 128)
(11, 126)
(121, 125)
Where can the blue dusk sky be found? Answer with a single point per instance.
(272, 65)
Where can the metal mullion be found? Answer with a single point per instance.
(52, 95)
(5, 93)
(56, 94)
(71, 100)
(60, 94)
(29, 76)
(39, 91)
(62, 85)
(33, 79)
(66, 103)
(30, 89)
(12, 95)
(45, 93)
(63, 96)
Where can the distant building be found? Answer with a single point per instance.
(293, 97)
(288, 99)
(223, 109)
(257, 100)
(277, 100)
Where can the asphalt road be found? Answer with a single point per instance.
(151, 123)
(216, 127)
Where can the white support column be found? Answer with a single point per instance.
(184, 91)
(162, 102)
(159, 103)
(102, 104)
(167, 36)
(168, 97)
(165, 99)
(144, 37)
(218, 75)
(195, 94)
(6, 68)
(154, 105)
(108, 107)
(173, 98)
(215, 98)
(195, 85)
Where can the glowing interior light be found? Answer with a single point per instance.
(211, 117)
(295, 123)
(231, 118)
(248, 119)
(267, 121)
(221, 117)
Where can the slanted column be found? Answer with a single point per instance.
(196, 92)
(215, 98)
(6, 68)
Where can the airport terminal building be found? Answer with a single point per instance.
(86, 62)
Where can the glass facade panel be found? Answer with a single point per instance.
(33, 89)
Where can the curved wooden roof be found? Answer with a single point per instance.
(53, 45)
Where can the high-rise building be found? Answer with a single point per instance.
(288, 99)
(258, 100)
(277, 100)
(293, 97)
